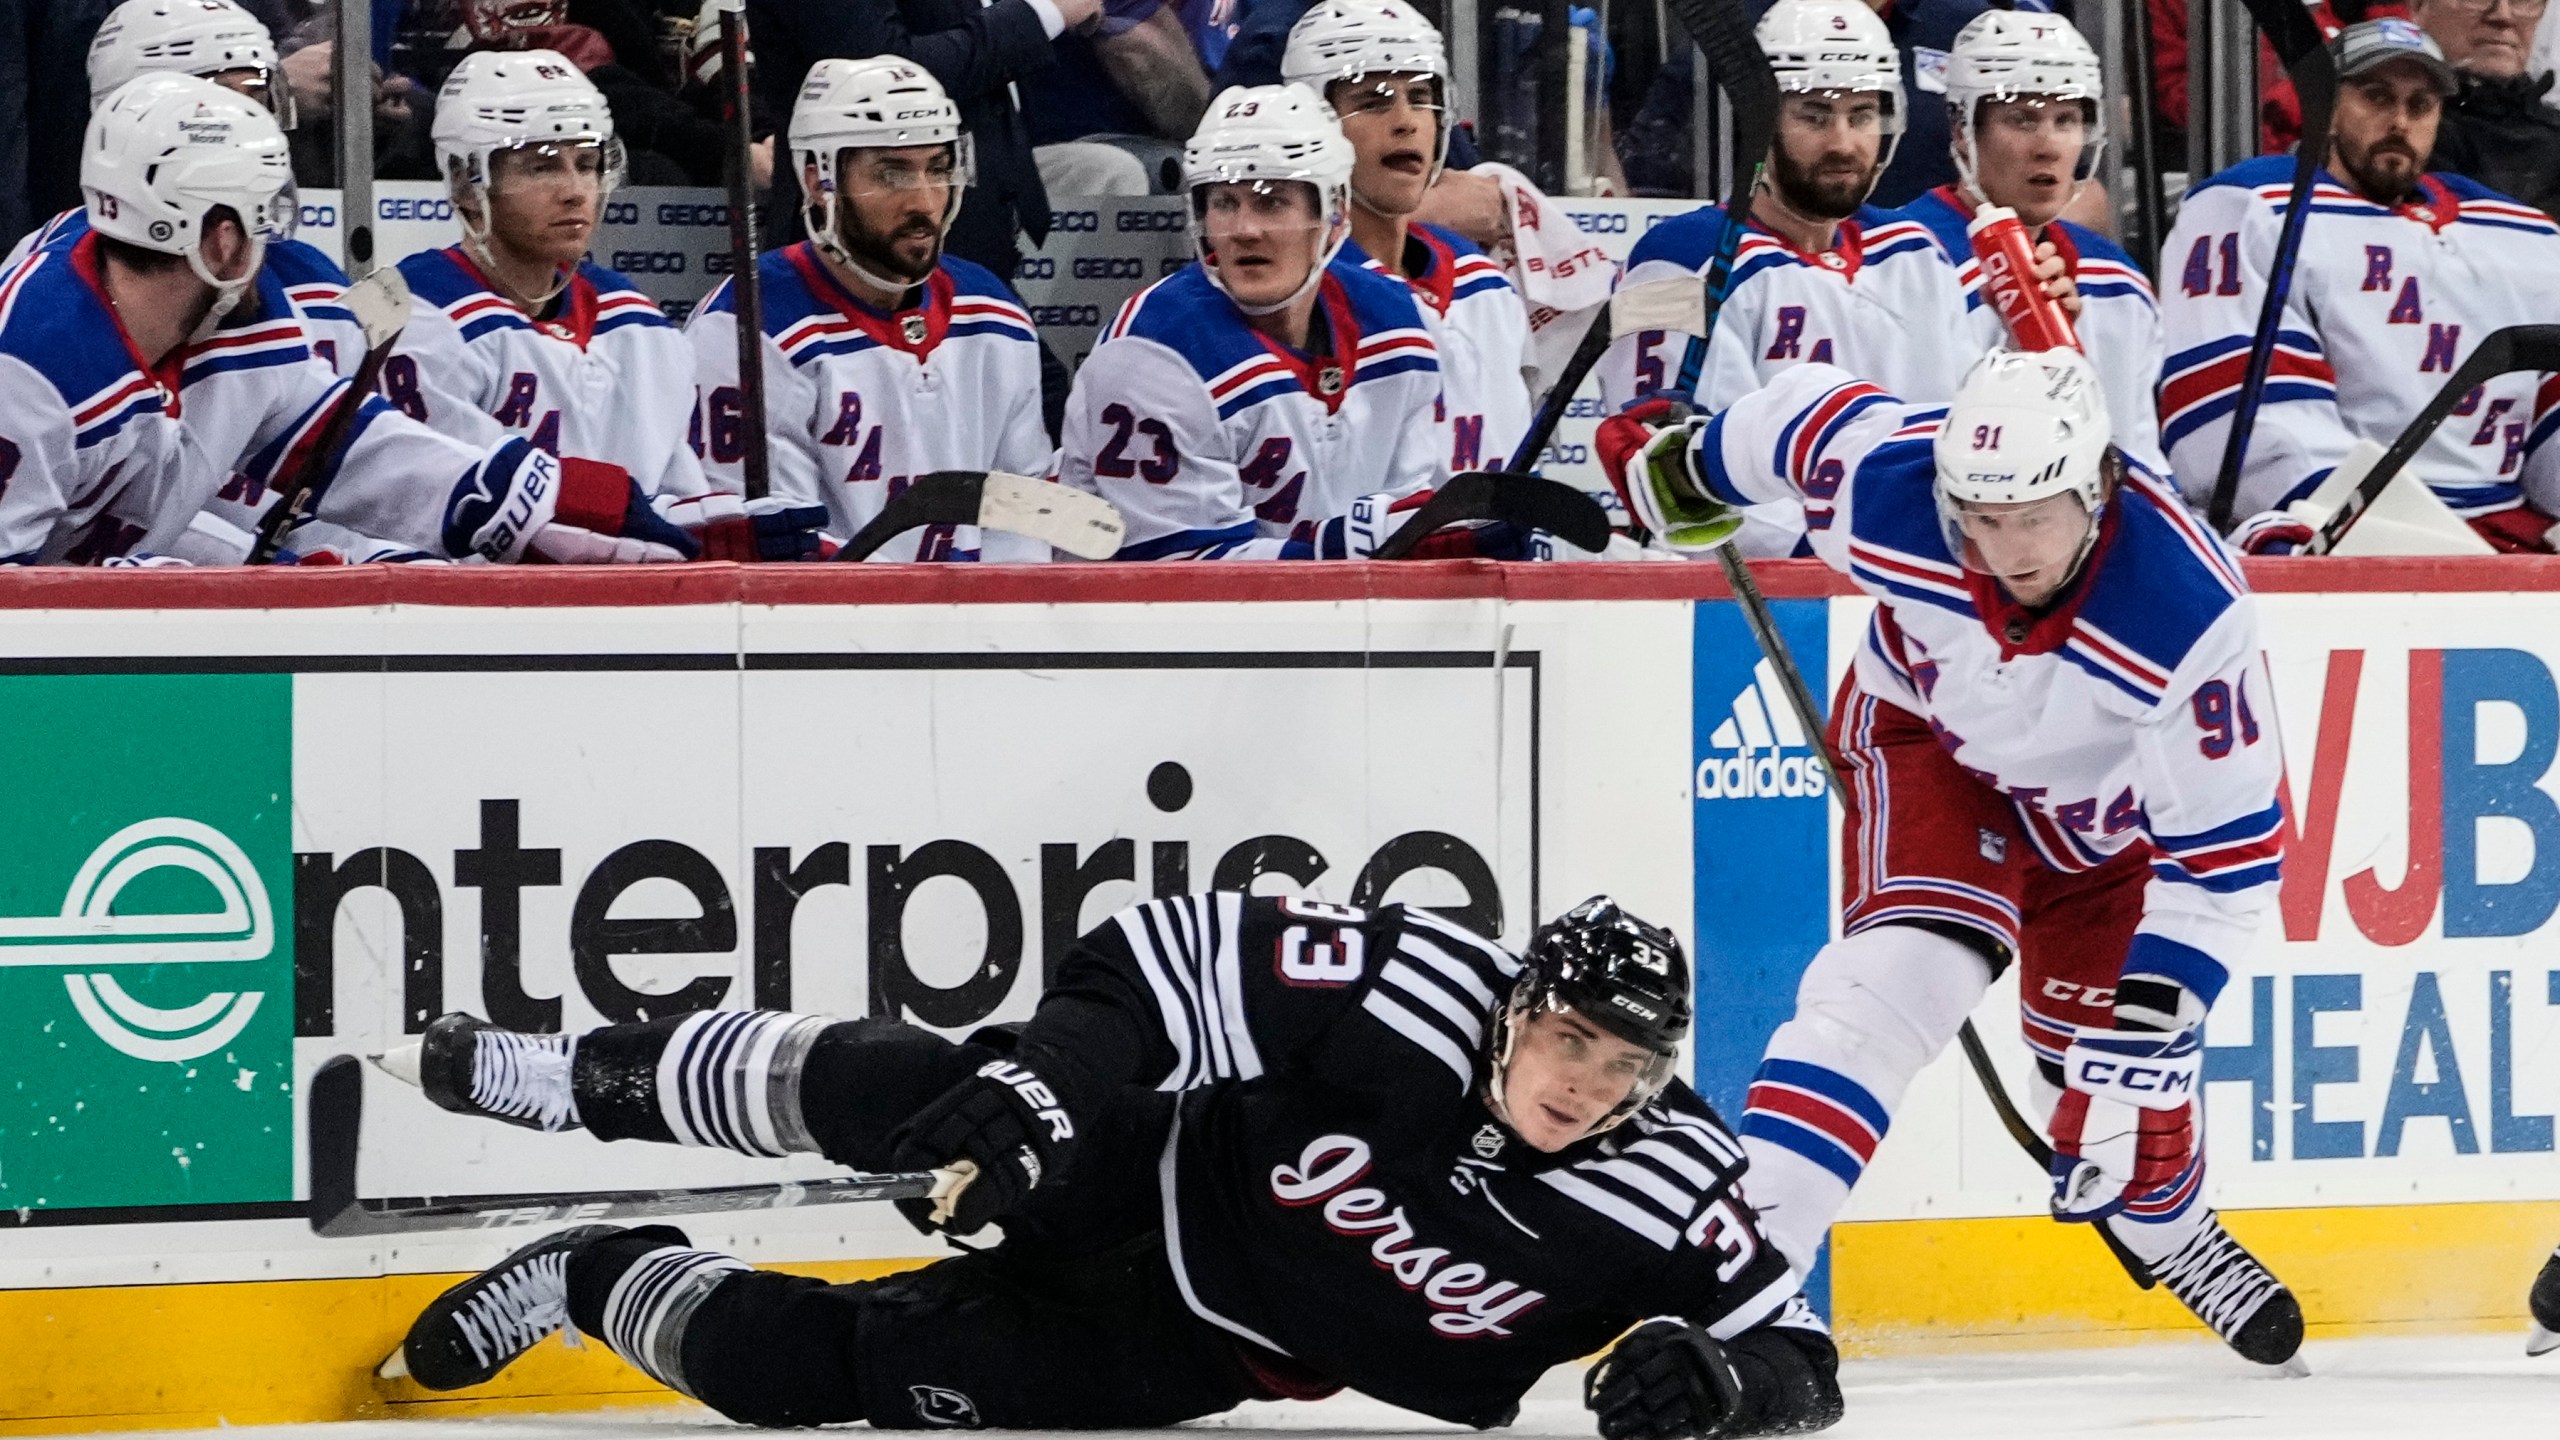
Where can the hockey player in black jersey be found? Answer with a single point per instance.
(1246, 1148)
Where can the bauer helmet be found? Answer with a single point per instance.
(166, 151)
(186, 37)
(508, 22)
(1628, 977)
(1338, 40)
(2025, 426)
(1263, 136)
(883, 103)
(2024, 55)
(1837, 47)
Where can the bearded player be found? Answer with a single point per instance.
(1247, 1148)
(1385, 71)
(2053, 750)
(884, 358)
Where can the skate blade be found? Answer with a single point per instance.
(396, 1366)
(2294, 1367)
(400, 1062)
(2541, 1341)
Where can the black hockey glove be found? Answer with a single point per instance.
(1007, 1122)
(1667, 1380)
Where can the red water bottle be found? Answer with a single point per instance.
(2007, 255)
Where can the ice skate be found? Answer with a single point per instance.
(472, 1067)
(2545, 1304)
(2241, 1300)
(478, 1328)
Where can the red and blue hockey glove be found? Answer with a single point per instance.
(2125, 1125)
(1008, 1123)
(2272, 532)
(728, 528)
(522, 504)
(1667, 1380)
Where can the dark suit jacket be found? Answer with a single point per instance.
(975, 51)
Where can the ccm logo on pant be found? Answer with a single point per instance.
(1035, 1092)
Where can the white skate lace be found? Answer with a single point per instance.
(525, 1076)
(517, 1310)
(2222, 1283)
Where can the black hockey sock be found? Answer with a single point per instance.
(724, 1078)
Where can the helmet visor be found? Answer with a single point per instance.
(1263, 235)
(2030, 546)
(523, 169)
(908, 170)
(2022, 131)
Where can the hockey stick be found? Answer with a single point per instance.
(2305, 53)
(336, 1098)
(380, 303)
(2517, 347)
(1531, 502)
(746, 281)
(1723, 30)
(1085, 526)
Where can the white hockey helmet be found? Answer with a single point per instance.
(880, 103)
(1346, 39)
(1271, 134)
(2022, 55)
(1838, 47)
(2024, 426)
(185, 37)
(499, 100)
(168, 150)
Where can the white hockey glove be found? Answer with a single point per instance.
(1649, 452)
(521, 504)
(728, 528)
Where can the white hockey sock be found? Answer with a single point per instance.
(731, 1079)
(646, 1311)
(1873, 1009)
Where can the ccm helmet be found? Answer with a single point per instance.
(2021, 55)
(883, 103)
(1836, 46)
(2026, 425)
(1622, 974)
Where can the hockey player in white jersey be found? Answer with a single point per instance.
(2401, 273)
(2025, 97)
(1820, 275)
(150, 404)
(220, 41)
(2058, 744)
(1270, 400)
(884, 359)
(514, 332)
(1385, 70)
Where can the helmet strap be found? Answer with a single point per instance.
(227, 294)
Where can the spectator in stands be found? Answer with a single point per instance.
(1128, 88)
(2497, 128)
(57, 99)
(16, 30)
(976, 52)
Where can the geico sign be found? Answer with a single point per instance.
(678, 213)
(390, 208)
(1109, 267)
(649, 262)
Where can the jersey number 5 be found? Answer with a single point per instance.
(1114, 462)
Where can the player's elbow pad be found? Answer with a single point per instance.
(1790, 1382)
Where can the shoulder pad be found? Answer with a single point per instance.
(298, 262)
(52, 322)
(2251, 174)
(1191, 317)
(1688, 241)
(2161, 585)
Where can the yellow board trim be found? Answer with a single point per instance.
(1906, 1285)
(272, 1352)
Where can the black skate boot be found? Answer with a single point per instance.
(472, 1067)
(2239, 1298)
(477, 1328)
(2545, 1302)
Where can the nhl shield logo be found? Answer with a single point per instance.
(913, 326)
(1993, 844)
(1487, 1142)
(1329, 381)
(945, 1409)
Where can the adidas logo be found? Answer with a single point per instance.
(1764, 752)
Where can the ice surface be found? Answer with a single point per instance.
(2469, 1387)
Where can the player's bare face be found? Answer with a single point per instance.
(1393, 124)
(1565, 1076)
(2031, 547)
(1263, 235)
(894, 205)
(2385, 129)
(2026, 153)
(1826, 156)
(544, 201)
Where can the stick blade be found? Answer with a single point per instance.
(380, 303)
(334, 1122)
(1084, 525)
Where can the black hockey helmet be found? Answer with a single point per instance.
(1621, 973)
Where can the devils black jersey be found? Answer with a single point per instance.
(1334, 1187)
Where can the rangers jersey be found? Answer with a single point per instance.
(2134, 711)
(1336, 1190)
(1482, 330)
(101, 458)
(1217, 442)
(2385, 304)
(604, 376)
(312, 283)
(2119, 320)
(1882, 303)
(859, 403)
